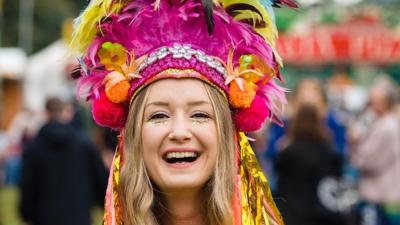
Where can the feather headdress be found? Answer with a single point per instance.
(126, 45)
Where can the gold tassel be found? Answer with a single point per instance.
(113, 209)
(258, 206)
(116, 174)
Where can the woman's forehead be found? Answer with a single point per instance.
(190, 91)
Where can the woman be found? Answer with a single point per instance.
(182, 81)
(307, 171)
(375, 153)
(180, 154)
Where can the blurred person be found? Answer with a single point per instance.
(308, 91)
(3, 147)
(375, 152)
(23, 127)
(62, 174)
(106, 141)
(308, 170)
(79, 120)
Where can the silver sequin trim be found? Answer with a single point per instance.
(183, 51)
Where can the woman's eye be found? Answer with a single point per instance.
(200, 115)
(158, 116)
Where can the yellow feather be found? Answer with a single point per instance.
(86, 24)
(269, 32)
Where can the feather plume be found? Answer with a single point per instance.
(275, 99)
(208, 12)
(86, 25)
(254, 13)
(290, 3)
(76, 72)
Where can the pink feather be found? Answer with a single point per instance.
(140, 28)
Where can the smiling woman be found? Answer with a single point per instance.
(182, 152)
(182, 80)
(175, 127)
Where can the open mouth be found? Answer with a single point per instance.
(180, 157)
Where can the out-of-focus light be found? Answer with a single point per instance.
(347, 2)
(12, 62)
(309, 2)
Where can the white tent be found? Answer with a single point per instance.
(46, 75)
(12, 62)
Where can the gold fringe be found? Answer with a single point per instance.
(116, 209)
(116, 175)
(258, 206)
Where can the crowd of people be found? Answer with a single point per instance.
(323, 168)
(329, 166)
(59, 168)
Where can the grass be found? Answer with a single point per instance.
(9, 206)
(9, 214)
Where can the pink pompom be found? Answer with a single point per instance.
(108, 114)
(252, 118)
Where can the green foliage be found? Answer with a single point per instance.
(48, 22)
(10, 23)
(285, 18)
(48, 19)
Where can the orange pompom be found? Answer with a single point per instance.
(117, 87)
(241, 98)
(119, 92)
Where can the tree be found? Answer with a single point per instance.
(48, 19)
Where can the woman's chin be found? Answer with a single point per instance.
(183, 182)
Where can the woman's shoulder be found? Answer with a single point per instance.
(386, 126)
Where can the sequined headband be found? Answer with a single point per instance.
(182, 58)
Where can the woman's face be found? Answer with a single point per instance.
(179, 134)
(379, 100)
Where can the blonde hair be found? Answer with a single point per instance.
(140, 199)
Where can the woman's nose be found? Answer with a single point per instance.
(180, 130)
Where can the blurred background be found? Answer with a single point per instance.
(337, 156)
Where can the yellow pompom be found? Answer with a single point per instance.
(241, 98)
(112, 55)
(117, 87)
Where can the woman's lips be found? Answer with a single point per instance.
(183, 165)
(180, 158)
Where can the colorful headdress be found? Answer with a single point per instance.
(229, 44)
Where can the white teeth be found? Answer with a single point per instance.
(178, 155)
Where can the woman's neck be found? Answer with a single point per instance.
(184, 207)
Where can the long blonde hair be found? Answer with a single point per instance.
(140, 199)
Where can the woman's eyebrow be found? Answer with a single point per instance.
(201, 102)
(191, 103)
(157, 103)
